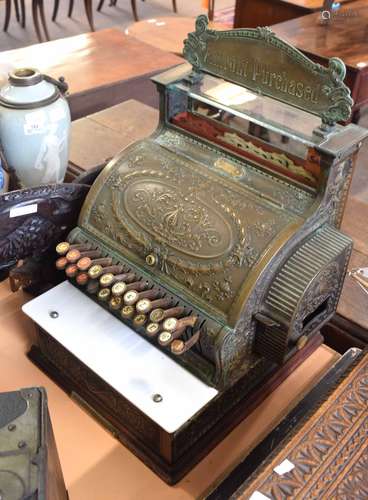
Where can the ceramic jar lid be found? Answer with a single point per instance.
(27, 88)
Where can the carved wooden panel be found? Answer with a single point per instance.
(328, 454)
(86, 381)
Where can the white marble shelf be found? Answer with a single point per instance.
(121, 357)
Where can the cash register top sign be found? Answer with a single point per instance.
(263, 63)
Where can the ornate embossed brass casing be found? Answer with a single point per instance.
(232, 207)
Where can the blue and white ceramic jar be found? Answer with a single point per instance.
(35, 127)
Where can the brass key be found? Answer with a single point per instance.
(104, 294)
(127, 312)
(86, 262)
(108, 269)
(64, 247)
(145, 305)
(97, 270)
(110, 278)
(71, 271)
(165, 338)
(92, 287)
(172, 324)
(61, 263)
(74, 255)
(132, 296)
(139, 320)
(115, 302)
(152, 329)
(179, 347)
(121, 287)
(82, 279)
(158, 315)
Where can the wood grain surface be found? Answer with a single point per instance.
(326, 456)
(310, 4)
(253, 13)
(112, 130)
(166, 33)
(345, 36)
(95, 465)
(91, 60)
(353, 304)
(101, 68)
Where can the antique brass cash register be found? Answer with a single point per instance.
(212, 246)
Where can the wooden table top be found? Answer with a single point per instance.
(166, 33)
(95, 465)
(310, 4)
(353, 303)
(112, 130)
(91, 60)
(345, 36)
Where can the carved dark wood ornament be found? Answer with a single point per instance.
(329, 452)
(260, 61)
(33, 220)
(90, 382)
(52, 210)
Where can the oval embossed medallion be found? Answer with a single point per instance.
(178, 219)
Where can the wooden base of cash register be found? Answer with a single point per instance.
(171, 456)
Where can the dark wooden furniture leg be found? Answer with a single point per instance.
(7, 14)
(175, 9)
(56, 10)
(356, 116)
(211, 9)
(22, 13)
(35, 19)
(71, 7)
(16, 5)
(100, 5)
(89, 12)
(41, 6)
(134, 6)
(134, 9)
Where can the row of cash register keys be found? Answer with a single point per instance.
(124, 292)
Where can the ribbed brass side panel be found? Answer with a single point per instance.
(296, 275)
